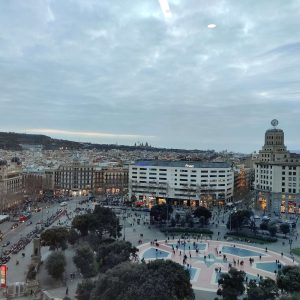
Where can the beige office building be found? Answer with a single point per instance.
(10, 184)
(277, 175)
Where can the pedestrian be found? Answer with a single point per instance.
(281, 254)
(67, 291)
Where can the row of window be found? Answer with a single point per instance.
(180, 170)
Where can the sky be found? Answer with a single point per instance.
(126, 71)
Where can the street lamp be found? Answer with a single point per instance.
(290, 242)
(124, 218)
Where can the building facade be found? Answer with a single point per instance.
(33, 184)
(277, 175)
(181, 182)
(11, 193)
(74, 179)
(111, 180)
(243, 182)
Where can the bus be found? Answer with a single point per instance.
(24, 217)
(4, 218)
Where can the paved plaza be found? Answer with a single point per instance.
(207, 259)
(205, 264)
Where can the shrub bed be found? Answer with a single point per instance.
(252, 237)
(172, 230)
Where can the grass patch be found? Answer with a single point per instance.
(296, 251)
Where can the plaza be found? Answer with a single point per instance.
(207, 259)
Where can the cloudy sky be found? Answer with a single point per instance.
(146, 70)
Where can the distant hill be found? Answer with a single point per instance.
(13, 141)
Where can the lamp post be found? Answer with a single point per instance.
(124, 218)
(290, 242)
(230, 213)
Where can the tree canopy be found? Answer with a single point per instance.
(288, 279)
(161, 212)
(202, 211)
(55, 237)
(85, 261)
(232, 284)
(84, 289)
(239, 218)
(102, 221)
(159, 279)
(55, 264)
(111, 254)
(265, 289)
(295, 296)
(285, 228)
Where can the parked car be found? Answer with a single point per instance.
(14, 226)
(6, 244)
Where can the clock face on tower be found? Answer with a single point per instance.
(274, 122)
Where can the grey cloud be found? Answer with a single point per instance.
(121, 67)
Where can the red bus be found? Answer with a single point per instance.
(23, 218)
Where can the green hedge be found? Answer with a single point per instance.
(258, 238)
(171, 230)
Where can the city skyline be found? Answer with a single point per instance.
(177, 74)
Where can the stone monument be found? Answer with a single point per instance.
(36, 257)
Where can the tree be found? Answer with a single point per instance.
(285, 228)
(182, 223)
(84, 289)
(191, 223)
(85, 261)
(102, 221)
(202, 211)
(73, 236)
(188, 217)
(173, 222)
(272, 229)
(238, 219)
(232, 284)
(295, 296)
(55, 237)
(161, 212)
(265, 289)
(105, 222)
(288, 279)
(112, 254)
(177, 218)
(55, 265)
(201, 221)
(159, 279)
(81, 223)
(263, 225)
